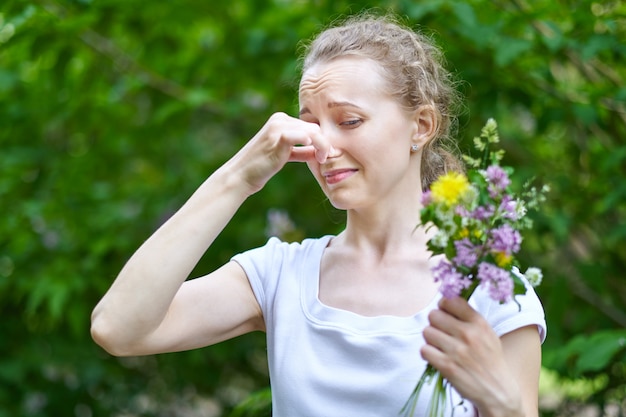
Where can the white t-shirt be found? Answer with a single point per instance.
(329, 362)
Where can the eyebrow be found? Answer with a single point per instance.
(331, 105)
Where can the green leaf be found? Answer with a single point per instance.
(597, 351)
(509, 50)
(551, 35)
(258, 404)
(464, 12)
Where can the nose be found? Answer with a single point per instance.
(333, 152)
(331, 134)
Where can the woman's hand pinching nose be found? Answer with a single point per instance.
(321, 155)
(329, 153)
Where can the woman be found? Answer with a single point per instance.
(350, 319)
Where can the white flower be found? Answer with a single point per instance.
(440, 239)
(520, 209)
(470, 197)
(534, 276)
(446, 222)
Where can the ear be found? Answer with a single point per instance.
(426, 125)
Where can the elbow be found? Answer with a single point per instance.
(105, 337)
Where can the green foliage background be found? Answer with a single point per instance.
(112, 112)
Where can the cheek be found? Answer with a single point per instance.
(314, 167)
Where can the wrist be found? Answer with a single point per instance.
(509, 412)
(231, 179)
(501, 407)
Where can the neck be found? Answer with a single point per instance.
(386, 233)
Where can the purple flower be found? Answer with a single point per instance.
(462, 211)
(498, 180)
(505, 239)
(497, 280)
(426, 198)
(508, 207)
(483, 213)
(497, 176)
(452, 281)
(466, 253)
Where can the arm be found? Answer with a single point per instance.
(500, 376)
(150, 307)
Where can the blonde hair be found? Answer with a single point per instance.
(414, 68)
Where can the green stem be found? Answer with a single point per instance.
(437, 405)
(437, 401)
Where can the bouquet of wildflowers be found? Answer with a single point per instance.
(478, 220)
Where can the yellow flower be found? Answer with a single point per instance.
(449, 188)
(503, 259)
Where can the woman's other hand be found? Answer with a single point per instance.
(498, 375)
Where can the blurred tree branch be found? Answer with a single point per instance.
(594, 70)
(124, 62)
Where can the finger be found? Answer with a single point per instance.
(457, 328)
(296, 137)
(302, 154)
(445, 352)
(437, 338)
(432, 355)
(321, 145)
(458, 307)
(307, 134)
(440, 360)
(444, 321)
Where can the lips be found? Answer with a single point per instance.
(335, 176)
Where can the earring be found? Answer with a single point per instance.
(414, 147)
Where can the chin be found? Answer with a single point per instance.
(342, 203)
(339, 206)
(343, 198)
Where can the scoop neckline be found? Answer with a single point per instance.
(333, 317)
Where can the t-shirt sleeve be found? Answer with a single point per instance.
(507, 317)
(262, 266)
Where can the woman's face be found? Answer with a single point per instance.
(371, 134)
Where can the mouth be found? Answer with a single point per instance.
(337, 175)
